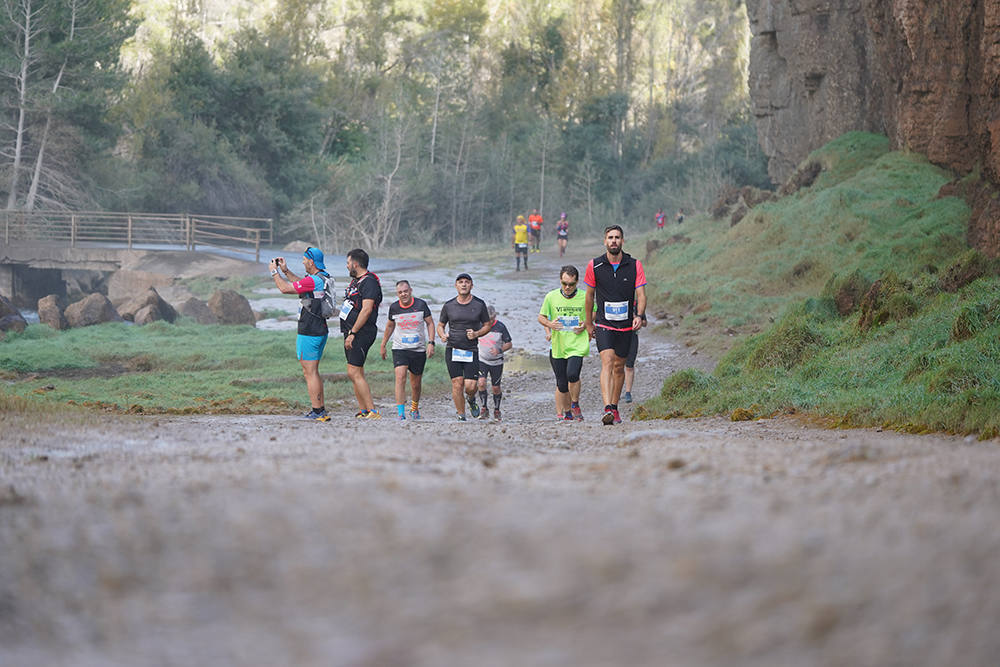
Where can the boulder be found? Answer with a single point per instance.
(199, 311)
(127, 284)
(154, 307)
(13, 323)
(10, 317)
(231, 308)
(50, 312)
(92, 309)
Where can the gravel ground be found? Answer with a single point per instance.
(263, 540)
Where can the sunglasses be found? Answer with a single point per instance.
(572, 284)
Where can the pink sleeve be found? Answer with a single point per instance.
(640, 274)
(588, 275)
(307, 284)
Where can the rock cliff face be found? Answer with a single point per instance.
(924, 72)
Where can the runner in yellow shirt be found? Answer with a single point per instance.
(521, 242)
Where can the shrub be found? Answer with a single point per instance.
(847, 291)
(683, 382)
(786, 345)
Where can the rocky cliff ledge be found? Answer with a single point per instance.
(924, 72)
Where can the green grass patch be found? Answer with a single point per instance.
(857, 301)
(182, 368)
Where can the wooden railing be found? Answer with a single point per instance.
(179, 229)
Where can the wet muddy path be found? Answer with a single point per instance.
(260, 540)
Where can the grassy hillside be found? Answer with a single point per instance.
(855, 300)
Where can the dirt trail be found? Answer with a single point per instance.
(262, 540)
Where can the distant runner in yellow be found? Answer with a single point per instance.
(521, 242)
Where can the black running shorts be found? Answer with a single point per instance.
(360, 344)
(619, 341)
(414, 360)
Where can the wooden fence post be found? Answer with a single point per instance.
(190, 232)
(130, 232)
(72, 230)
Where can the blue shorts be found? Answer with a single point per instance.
(309, 348)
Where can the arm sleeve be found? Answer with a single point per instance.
(307, 284)
(640, 274)
(588, 275)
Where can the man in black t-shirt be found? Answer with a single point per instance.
(467, 318)
(359, 324)
(411, 328)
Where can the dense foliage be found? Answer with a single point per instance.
(371, 120)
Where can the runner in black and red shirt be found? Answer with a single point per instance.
(359, 324)
(411, 328)
(616, 285)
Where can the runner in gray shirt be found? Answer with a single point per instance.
(467, 319)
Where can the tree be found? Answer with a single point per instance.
(59, 59)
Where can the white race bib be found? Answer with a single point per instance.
(569, 322)
(461, 356)
(346, 309)
(616, 311)
(409, 339)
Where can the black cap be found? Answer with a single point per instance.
(463, 275)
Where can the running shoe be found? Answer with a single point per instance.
(373, 414)
(618, 418)
(628, 397)
(360, 414)
(496, 414)
(473, 406)
(460, 417)
(568, 417)
(609, 417)
(484, 414)
(414, 414)
(401, 417)
(577, 413)
(318, 415)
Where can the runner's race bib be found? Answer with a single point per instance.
(409, 339)
(346, 309)
(461, 356)
(616, 311)
(569, 322)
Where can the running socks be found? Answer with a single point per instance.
(401, 409)
(483, 399)
(496, 400)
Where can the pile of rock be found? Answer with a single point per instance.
(224, 307)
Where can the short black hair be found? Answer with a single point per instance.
(359, 256)
(400, 282)
(611, 227)
(571, 270)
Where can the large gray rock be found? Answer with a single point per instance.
(199, 311)
(231, 307)
(10, 317)
(50, 312)
(152, 306)
(92, 309)
(127, 284)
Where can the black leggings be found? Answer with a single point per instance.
(567, 370)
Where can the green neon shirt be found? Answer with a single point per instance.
(557, 307)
